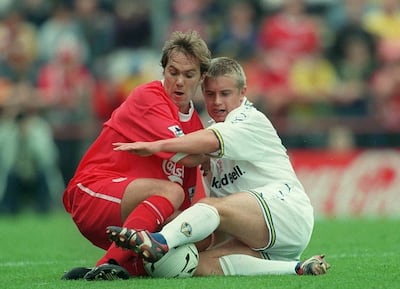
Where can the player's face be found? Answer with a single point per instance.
(182, 79)
(221, 96)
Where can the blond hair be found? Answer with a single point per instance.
(225, 66)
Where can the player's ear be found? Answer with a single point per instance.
(202, 77)
(243, 90)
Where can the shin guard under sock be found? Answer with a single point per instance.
(192, 225)
(150, 214)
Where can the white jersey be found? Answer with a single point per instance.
(251, 154)
(253, 159)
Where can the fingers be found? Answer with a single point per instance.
(123, 146)
(118, 146)
(205, 173)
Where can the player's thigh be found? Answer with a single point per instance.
(242, 217)
(140, 189)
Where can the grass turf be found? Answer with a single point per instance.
(36, 250)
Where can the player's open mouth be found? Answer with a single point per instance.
(219, 111)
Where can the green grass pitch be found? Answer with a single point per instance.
(36, 250)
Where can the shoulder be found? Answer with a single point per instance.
(150, 93)
(244, 113)
(149, 87)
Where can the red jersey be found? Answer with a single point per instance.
(148, 114)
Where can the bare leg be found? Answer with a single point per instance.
(209, 260)
(241, 216)
(140, 189)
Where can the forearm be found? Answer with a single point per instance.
(196, 143)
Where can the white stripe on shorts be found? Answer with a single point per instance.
(98, 195)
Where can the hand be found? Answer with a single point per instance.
(205, 167)
(142, 149)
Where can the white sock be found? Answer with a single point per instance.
(238, 264)
(192, 225)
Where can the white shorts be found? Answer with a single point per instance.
(290, 220)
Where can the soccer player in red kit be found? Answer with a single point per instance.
(112, 188)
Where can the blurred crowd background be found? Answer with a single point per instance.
(327, 74)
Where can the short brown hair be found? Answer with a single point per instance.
(189, 43)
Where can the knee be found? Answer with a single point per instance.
(208, 200)
(213, 202)
(141, 189)
(174, 193)
(224, 209)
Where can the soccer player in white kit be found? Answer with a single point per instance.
(253, 193)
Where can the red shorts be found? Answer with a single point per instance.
(96, 205)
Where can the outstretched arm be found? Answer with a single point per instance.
(200, 142)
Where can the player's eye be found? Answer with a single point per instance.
(226, 93)
(209, 93)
